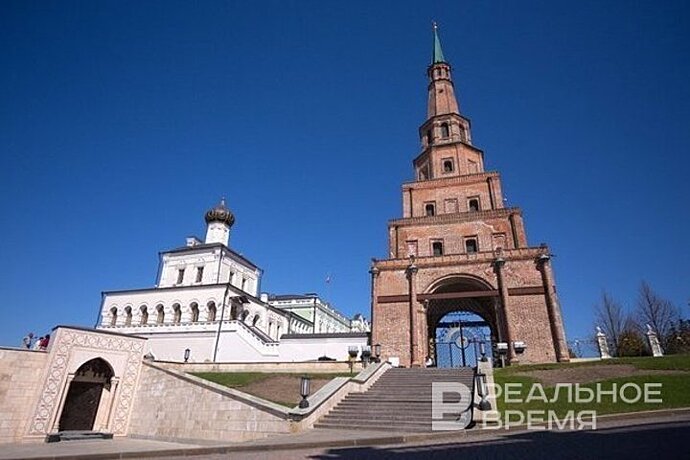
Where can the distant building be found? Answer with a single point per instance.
(206, 300)
(323, 317)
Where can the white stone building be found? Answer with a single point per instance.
(206, 301)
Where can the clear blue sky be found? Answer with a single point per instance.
(122, 122)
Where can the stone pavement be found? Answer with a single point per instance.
(357, 442)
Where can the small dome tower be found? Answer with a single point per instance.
(219, 219)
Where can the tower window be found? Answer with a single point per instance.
(471, 245)
(429, 137)
(244, 283)
(463, 134)
(430, 209)
(144, 315)
(445, 131)
(128, 316)
(180, 276)
(473, 204)
(448, 166)
(437, 248)
(199, 274)
(160, 318)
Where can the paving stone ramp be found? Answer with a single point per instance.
(400, 400)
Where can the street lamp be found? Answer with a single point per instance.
(187, 352)
(482, 389)
(377, 352)
(352, 352)
(304, 388)
(366, 355)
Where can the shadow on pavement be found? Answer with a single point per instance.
(654, 441)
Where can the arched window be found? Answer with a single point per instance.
(195, 311)
(161, 314)
(244, 316)
(448, 166)
(463, 134)
(270, 329)
(278, 331)
(211, 313)
(128, 316)
(113, 316)
(429, 137)
(177, 313)
(255, 321)
(473, 205)
(445, 131)
(471, 245)
(437, 248)
(430, 209)
(144, 315)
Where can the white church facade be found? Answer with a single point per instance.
(207, 300)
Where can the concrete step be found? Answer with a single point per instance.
(77, 436)
(423, 428)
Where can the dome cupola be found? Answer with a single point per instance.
(220, 213)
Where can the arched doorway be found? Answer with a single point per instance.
(84, 395)
(462, 319)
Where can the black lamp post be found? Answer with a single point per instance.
(483, 391)
(482, 351)
(366, 355)
(187, 352)
(377, 352)
(352, 352)
(304, 388)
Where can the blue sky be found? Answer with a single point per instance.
(122, 122)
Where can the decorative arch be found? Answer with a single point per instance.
(144, 311)
(458, 278)
(211, 311)
(194, 309)
(113, 316)
(82, 404)
(177, 313)
(160, 314)
(128, 315)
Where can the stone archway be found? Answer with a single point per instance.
(462, 294)
(84, 400)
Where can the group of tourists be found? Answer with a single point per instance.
(41, 343)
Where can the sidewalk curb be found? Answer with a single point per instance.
(357, 442)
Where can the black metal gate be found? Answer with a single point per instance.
(462, 338)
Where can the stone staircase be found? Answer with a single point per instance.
(400, 400)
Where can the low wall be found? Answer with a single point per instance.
(171, 405)
(316, 367)
(20, 382)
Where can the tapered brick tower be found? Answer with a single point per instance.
(458, 248)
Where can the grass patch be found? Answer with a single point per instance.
(232, 379)
(670, 362)
(674, 392)
(280, 388)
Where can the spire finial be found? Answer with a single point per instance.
(438, 52)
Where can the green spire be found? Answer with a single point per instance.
(438, 52)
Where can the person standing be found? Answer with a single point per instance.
(26, 341)
(37, 343)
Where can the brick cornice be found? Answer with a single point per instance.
(453, 218)
(440, 144)
(463, 259)
(448, 181)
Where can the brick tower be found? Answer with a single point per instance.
(458, 248)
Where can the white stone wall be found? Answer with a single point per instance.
(308, 348)
(20, 382)
(169, 406)
(218, 266)
(272, 323)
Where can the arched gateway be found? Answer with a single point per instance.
(458, 247)
(85, 396)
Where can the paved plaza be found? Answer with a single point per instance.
(631, 436)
